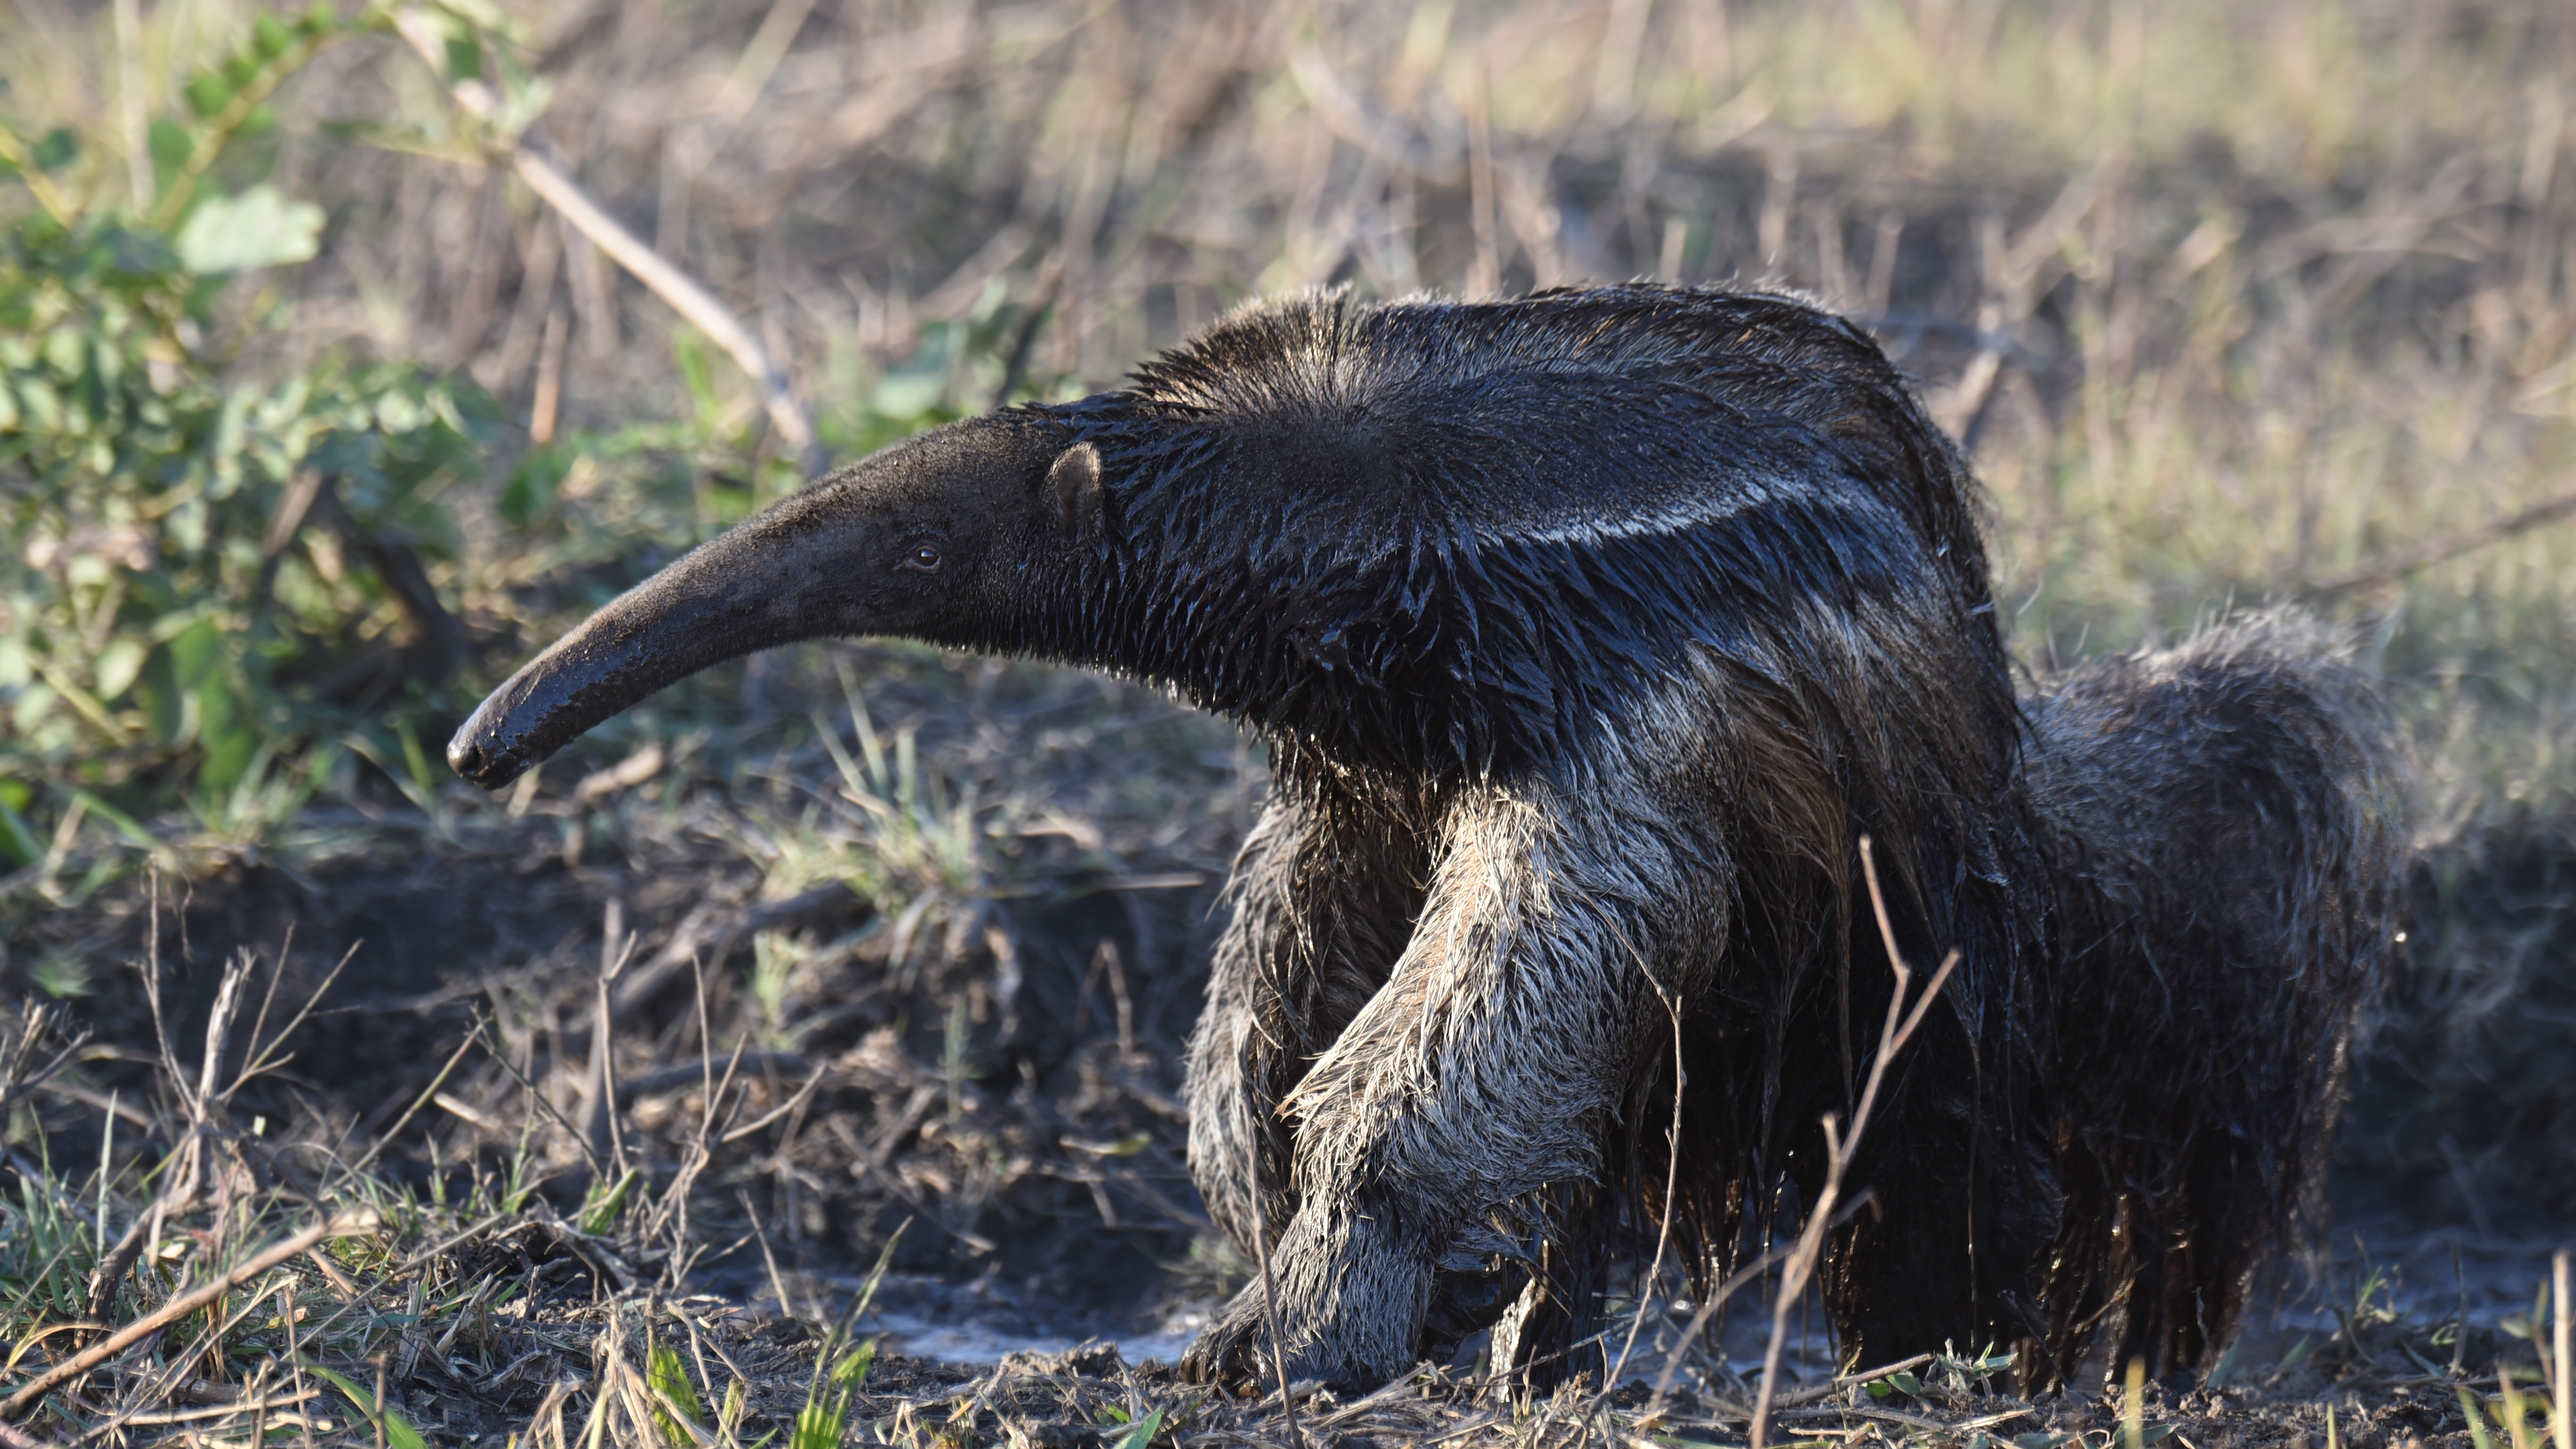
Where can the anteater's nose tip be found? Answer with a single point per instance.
(490, 767)
(468, 758)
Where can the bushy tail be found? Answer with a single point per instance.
(2223, 821)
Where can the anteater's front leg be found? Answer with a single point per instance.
(1323, 898)
(1486, 1067)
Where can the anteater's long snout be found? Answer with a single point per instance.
(771, 580)
(673, 625)
(548, 704)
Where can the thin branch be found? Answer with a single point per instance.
(1724, 1291)
(236, 114)
(1672, 1184)
(37, 182)
(1840, 1146)
(1841, 1381)
(263, 1058)
(698, 306)
(387, 1136)
(2560, 1349)
(2439, 550)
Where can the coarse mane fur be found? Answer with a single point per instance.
(1444, 536)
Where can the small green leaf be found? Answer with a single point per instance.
(230, 749)
(208, 94)
(425, 780)
(818, 1426)
(399, 1432)
(531, 489)
(169, 143)
(669, 1375)
(117, 666)
(59, 149)
(464, 58)
(697, 373)
(2478, 1434)
(258, 228)
(485, 16)
(1144, 1432)
(18, 844)
(601, 1215)
(270, 38)
(241, 69)
(852, 1370)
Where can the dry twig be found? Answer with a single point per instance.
(2424, 555)
(341, 1226)
(1840, 1146)
(685, 296)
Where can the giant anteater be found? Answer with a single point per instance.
(1590, 634)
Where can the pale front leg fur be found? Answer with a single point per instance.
(1321, 900)
(1486, 1067)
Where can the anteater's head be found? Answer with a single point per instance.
(963, 536)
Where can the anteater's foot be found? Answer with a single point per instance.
(1349, 1300)
(1233, 1352)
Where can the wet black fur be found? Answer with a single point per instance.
(1590, 634)
(1328, 510)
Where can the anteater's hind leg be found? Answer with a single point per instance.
(1486, 1068)
(2223, 820)
(1964, 1203)
(1323, 901)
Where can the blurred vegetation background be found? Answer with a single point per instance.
(315, 418)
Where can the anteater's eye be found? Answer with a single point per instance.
(923, 557)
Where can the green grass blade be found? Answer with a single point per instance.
(399, 1431)
(818, 1426)
(669, 1376)
(1144, 1432)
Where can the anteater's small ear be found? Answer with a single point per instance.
(1074, 484)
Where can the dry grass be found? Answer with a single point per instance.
(2229, 301)
(212, 1279)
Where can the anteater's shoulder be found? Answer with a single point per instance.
(1642, 406)
(1326, 349)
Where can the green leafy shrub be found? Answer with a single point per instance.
(199, 569)
(211, 577)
